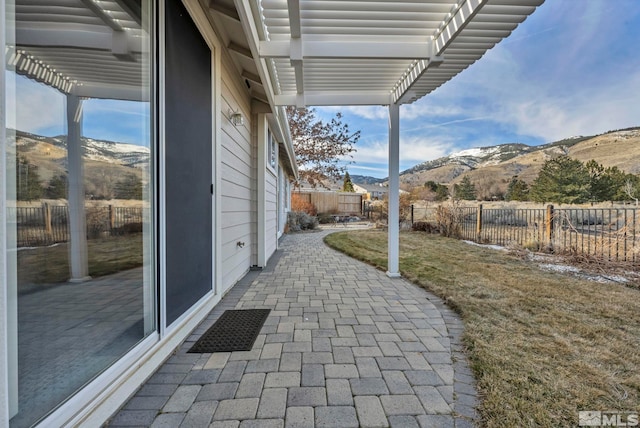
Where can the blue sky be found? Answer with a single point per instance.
(572, 68)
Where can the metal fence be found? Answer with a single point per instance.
(49, 224)
(609, 234)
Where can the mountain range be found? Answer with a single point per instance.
(490, 168)
(105, 162)
(494, 166)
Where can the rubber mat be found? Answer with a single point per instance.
(235, 330)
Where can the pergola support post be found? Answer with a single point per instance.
(393, 265)
(78, 257)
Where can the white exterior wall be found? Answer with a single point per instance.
(237, 194)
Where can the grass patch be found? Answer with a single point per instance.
(49, 265)
(542, 345)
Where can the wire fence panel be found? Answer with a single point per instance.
(608, 234)
(523, 227)
(49, 224)
(468, 219)
(59, 223)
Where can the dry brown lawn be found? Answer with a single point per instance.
(50, 265)
(542, 345)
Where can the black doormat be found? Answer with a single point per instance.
(235, 330)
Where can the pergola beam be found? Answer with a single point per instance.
(294, 18)
(53, 36)
(461, 15)
(109, 21)
(327, 98)
(107, 91)
(296, 56)
(348, 50)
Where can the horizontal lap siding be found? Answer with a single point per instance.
(236, 185)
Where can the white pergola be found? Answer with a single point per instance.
(370, 52)
(84, 49)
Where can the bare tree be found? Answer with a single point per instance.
(630, 190)
(323, 150)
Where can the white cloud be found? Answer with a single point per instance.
(419, 149)
(414, 149)
(445, 124)
(538, 111)
(424, 109)
(39, 108)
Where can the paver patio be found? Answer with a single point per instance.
(344, 346)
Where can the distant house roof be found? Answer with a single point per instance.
(331, 184)
(374, 188)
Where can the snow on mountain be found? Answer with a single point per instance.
(97, 150)
(475, 157)
(108, 151)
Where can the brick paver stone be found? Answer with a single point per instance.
(200, 414)
(339, 392)
(299, 417)
(370, 412)
(182, 399)
(273, 403)
(401, 405)
(307, 396)
(244, 408)
(344, 345)
(336, 416)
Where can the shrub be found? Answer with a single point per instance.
(424, 226)
(299, 220)
(449, 220)
(299, 203)
(97, 220)
(326, 218)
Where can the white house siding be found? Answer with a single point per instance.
(237, 183)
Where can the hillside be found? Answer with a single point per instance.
(106, 162)
(493, 167)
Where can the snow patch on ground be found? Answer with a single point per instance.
(552, 263)
(492, 247)
(559, 268)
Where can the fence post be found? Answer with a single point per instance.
(112, 219)
(46, 214)
(548, 232)
(411, 214)
(479, 224)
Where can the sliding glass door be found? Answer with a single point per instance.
(80, 176)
